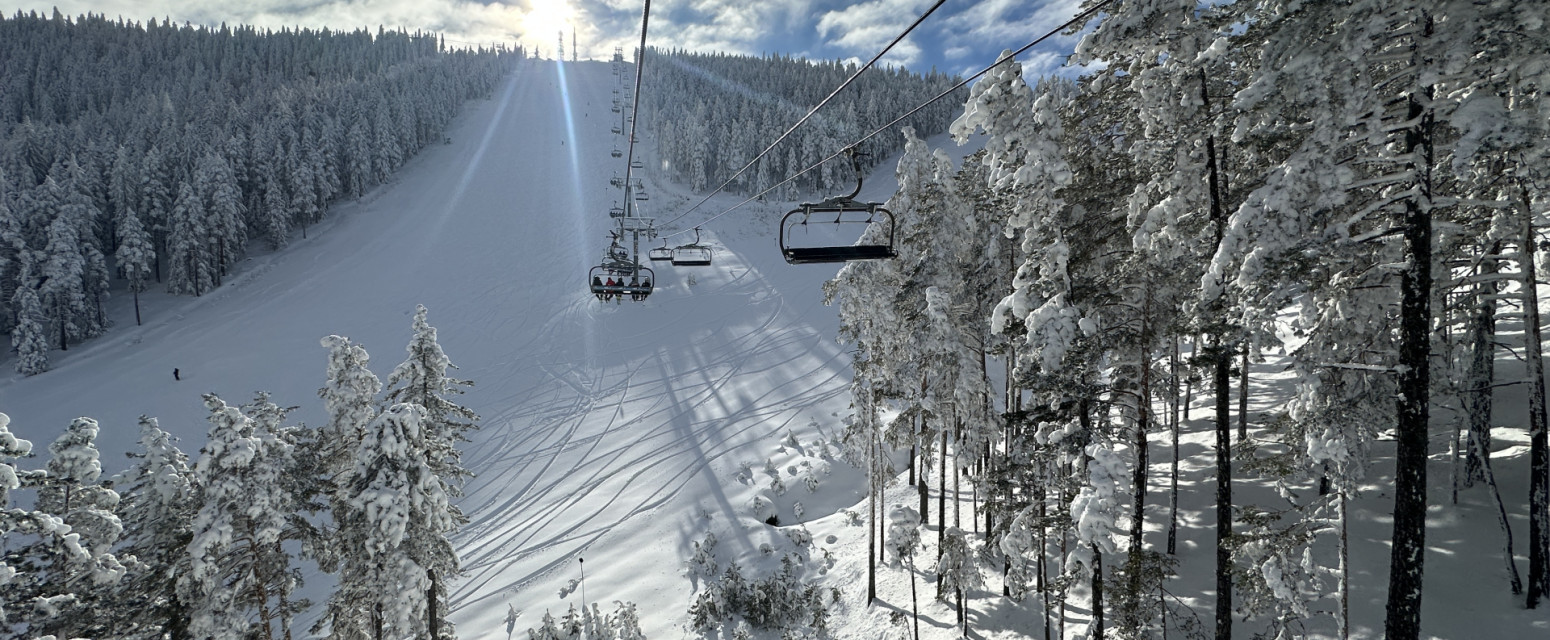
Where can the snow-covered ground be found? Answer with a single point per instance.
(623, 433)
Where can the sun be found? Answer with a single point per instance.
(546, 20)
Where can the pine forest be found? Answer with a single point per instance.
(1228, 326)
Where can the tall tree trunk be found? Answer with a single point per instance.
(433, 621)
(1243, 395)
(1173, 474)
(1097, 594)
(1223, 373)
(1344, 570)
(1044, 551)
(1539, 448)
(1403, 619)
(1501, 515)
(941, 496)
(1482, 371)
(957, 472)
(914, 601)
(137, 308)
(871, 543)
(1223, 493)
(1138, 475)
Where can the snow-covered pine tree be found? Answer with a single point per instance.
(903, 541)
(422, 380)
(239, 573)
(402, 509)
(349, 398)
(69, 490)
(28, 338)
(62, 291)
(957, 572)
(158, 504)
(136, 254)
(187, 245)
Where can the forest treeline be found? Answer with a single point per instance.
(1359, 186)
(155, 152)
(711, 113)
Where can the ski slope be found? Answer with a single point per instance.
(607, 428)
(621, 433)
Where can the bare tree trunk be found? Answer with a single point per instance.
(1539, 448)
(1044, 551)
(1412, 406)
(1501, 515)
(1097, 594)
(1243, 395)
(914, 601)
(871, 543)
(957, 472)
(941, 496)
(433, 621)
(1223, 364)
(1173, 475)
(1482, 371)
(1345, 570)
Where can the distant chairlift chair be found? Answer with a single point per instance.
(693, 254)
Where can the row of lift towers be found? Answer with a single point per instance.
(621, 272)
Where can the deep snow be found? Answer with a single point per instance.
(622, 433)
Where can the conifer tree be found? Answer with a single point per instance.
(136, 255)
(239, 572)
(159, 501)
(28, 338)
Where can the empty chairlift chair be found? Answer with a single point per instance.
(693, 254)
(839, 210)
(660, 254)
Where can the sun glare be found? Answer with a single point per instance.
(545, 21)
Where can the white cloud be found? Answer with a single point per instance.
(865, 28)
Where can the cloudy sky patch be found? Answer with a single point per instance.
(961, 37)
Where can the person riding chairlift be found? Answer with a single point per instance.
(611, 284)
(597, 284)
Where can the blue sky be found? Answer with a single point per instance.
(963, 36)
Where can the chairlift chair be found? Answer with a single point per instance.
(845, 210)
(637, 164)
(629, 280)
(617, 130)
(616, 212)
(692, 254)
(616, 153)
(660, 254)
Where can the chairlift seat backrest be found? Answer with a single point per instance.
(692, 255)
(845, 210)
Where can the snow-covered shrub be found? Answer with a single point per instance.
(782, 601)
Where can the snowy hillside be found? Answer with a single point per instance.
(623, 433)
(606, 428)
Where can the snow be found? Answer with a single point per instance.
(625, 433)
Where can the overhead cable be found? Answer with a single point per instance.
(1080, 18)
(812, 111)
